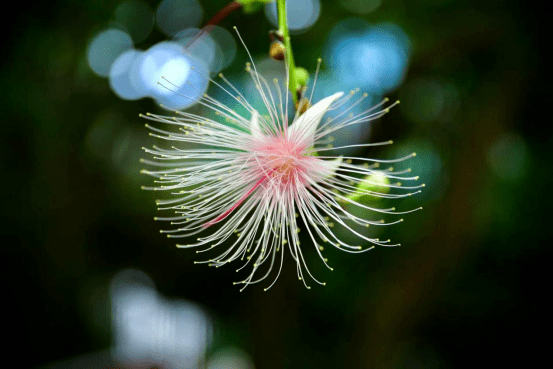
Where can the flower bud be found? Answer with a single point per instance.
(371, 189)
(302, 76)
(302, 105)
(277, 50)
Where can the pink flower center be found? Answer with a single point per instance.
(282, 162)
(278, 162)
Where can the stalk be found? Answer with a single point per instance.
(283, 28)
(217, 18)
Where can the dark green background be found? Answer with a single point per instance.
(466, 289)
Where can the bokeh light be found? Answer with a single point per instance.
(174, 73)
(137, 17)
(119, 76)
(149, 330)
(216, 49)
(373, 58)
(140, 74)
(203, 48)
(173, 16)
(185, 77)
(226, 48)
(508, 156)
(230, 357)
(302, 14)
(428, 165)
(105, 47)
(164, 57)
(183, 84)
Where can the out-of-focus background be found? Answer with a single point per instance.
(89, 282)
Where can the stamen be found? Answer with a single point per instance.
(226, 213)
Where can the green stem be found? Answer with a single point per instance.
(283, 28)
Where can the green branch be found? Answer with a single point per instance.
(283, 28)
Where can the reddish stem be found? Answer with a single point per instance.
(215, 20)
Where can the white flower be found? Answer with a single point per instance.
(254, 179)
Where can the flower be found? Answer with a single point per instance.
(245, 184)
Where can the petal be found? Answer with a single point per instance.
(255, 128)
(304, 127)
(328, 168)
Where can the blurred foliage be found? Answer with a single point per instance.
(468, 284)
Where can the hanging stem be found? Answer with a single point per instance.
(283, 28)
(221, 14)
